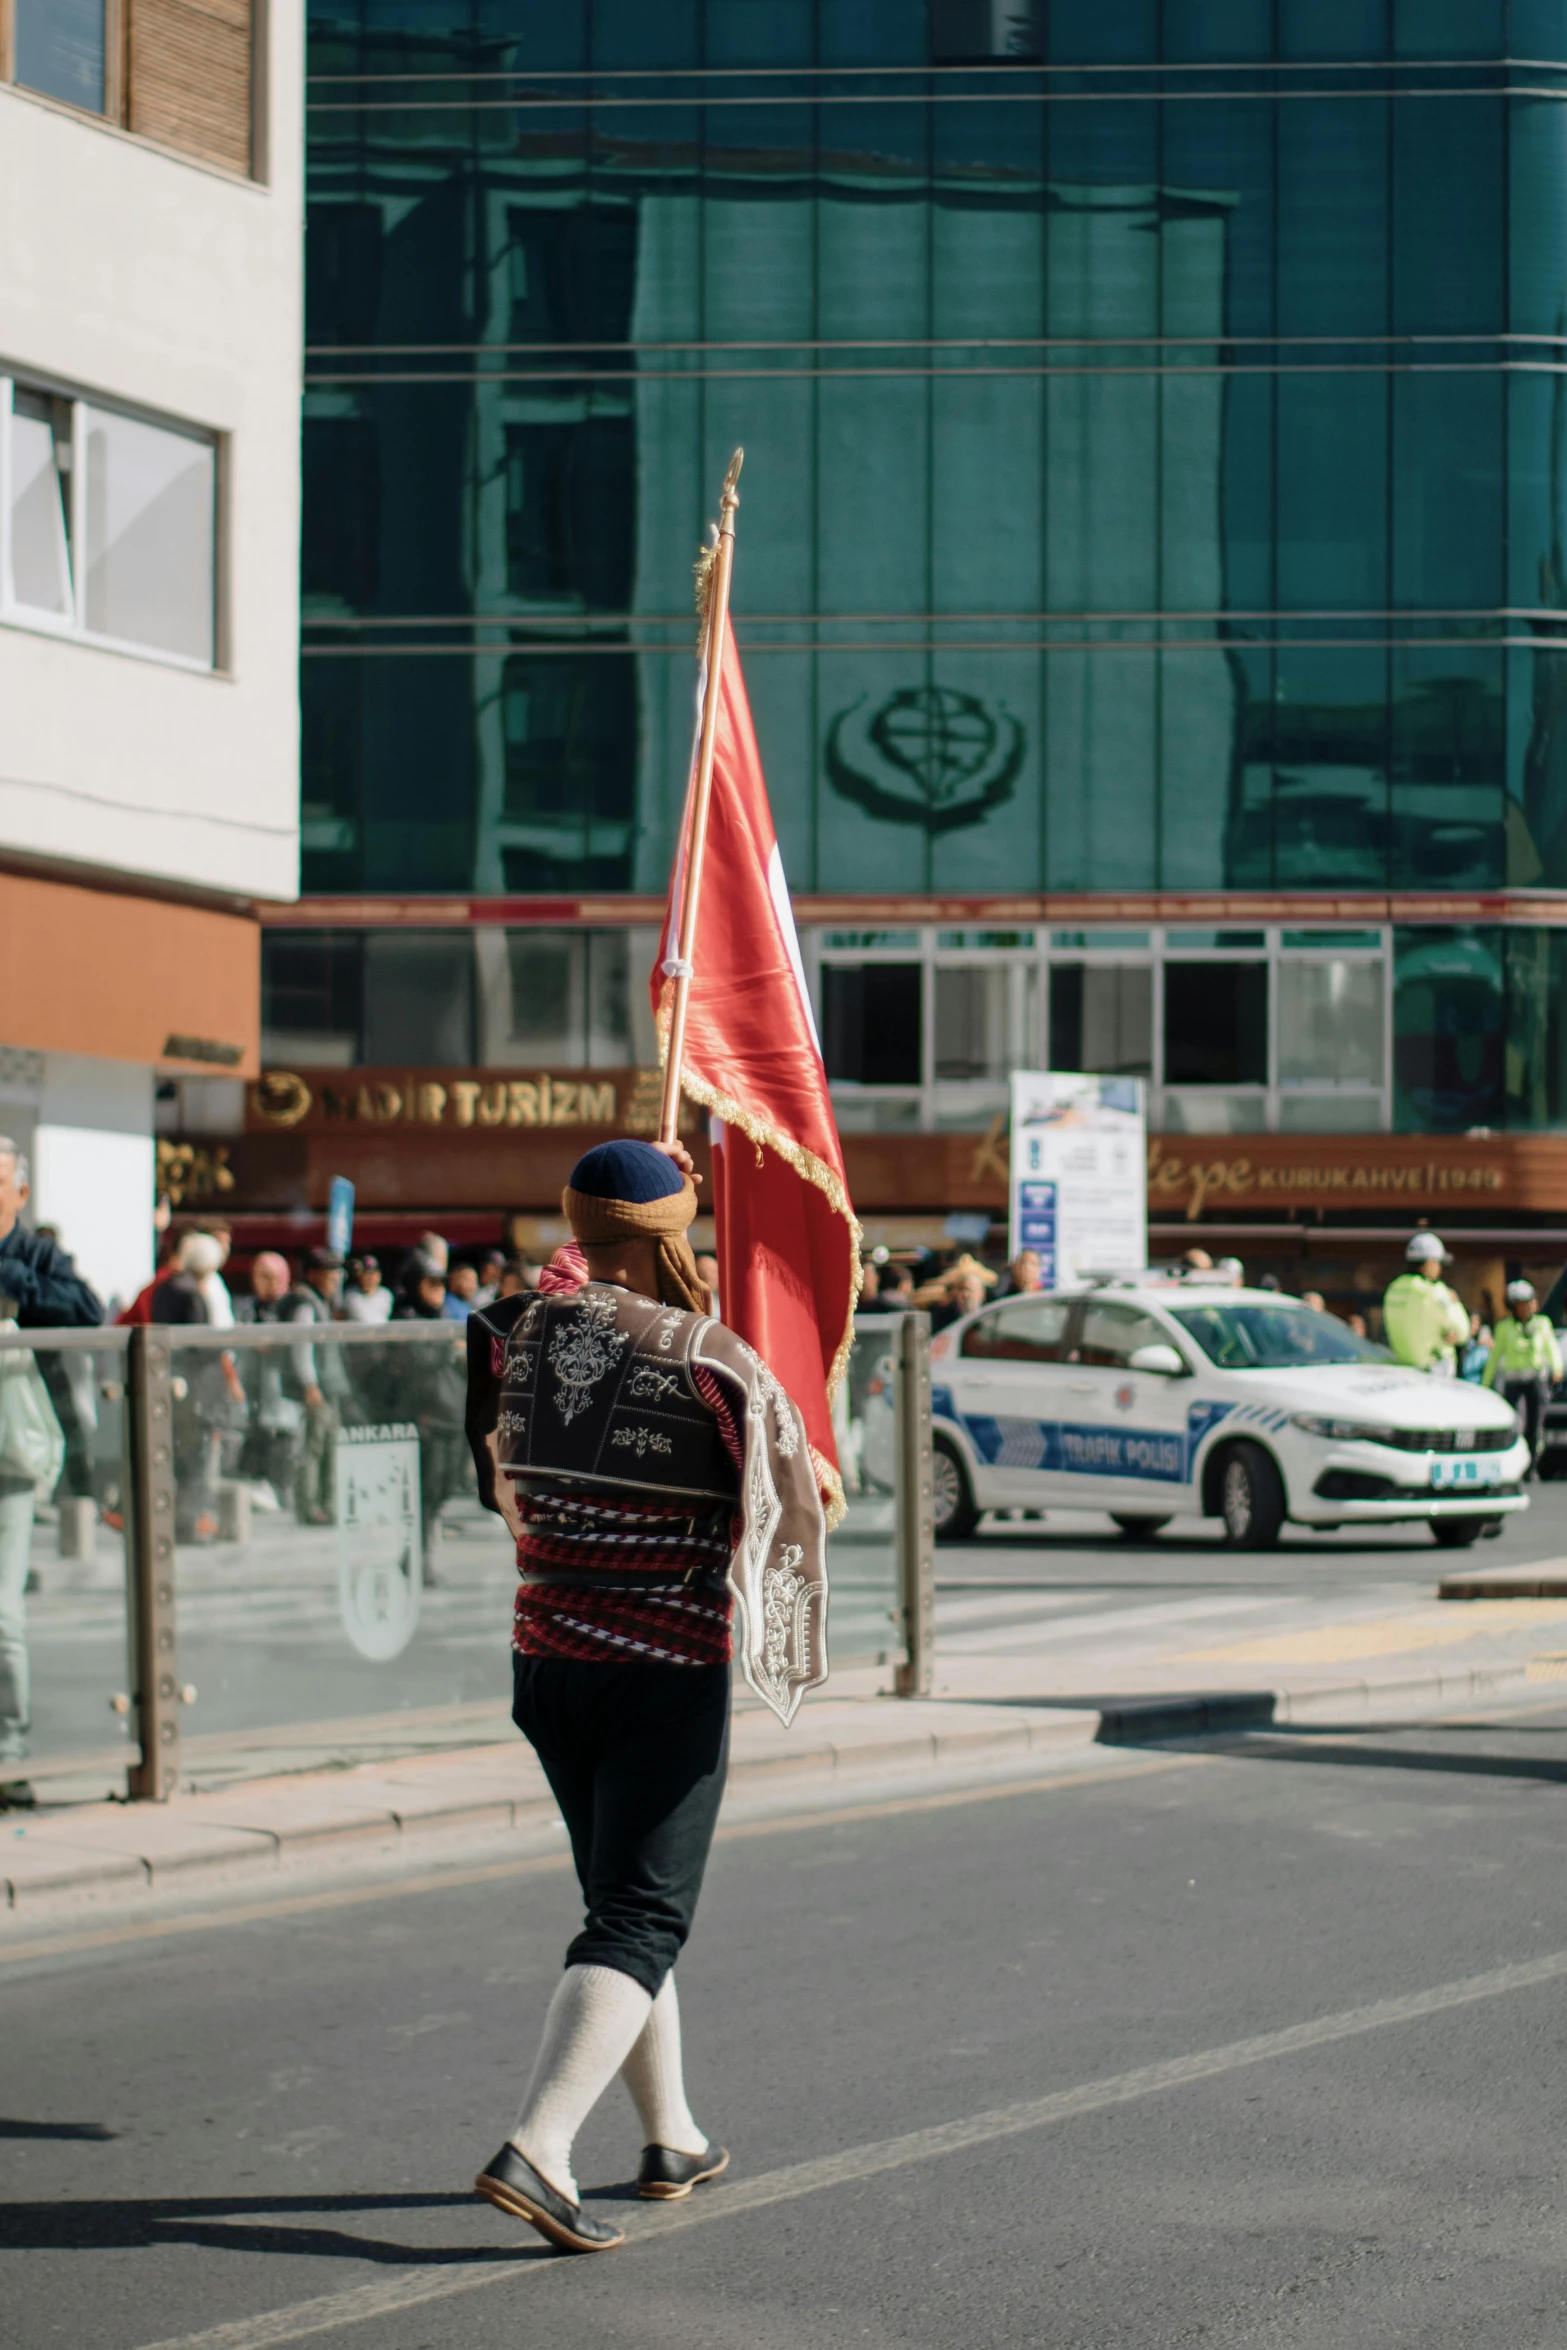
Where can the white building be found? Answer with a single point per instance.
(151, 171)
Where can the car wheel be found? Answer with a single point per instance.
(1138, 1529)
(1251, 1498)
(1457, 1533)
(954, 1512)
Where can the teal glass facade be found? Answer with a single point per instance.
(1154, 422)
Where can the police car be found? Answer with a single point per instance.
(1163, 1402)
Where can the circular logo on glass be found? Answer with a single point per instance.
(930, 756)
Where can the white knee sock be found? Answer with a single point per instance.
(654, 2075)
(593, 2020)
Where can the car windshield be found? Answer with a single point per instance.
(1273, 1338)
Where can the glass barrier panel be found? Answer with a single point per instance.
(862, 1554)
(67, 1726)
(341, 1593)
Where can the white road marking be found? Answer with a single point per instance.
(386, 2296)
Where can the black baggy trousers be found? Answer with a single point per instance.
(635, 1755)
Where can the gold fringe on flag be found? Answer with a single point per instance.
(813, 1170)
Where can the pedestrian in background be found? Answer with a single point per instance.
(1423, 1319)
(322, 1378)
(423, 1289)
(492, 1265)
(40, 1289)
(1477, 1353)
(514, 1279)
(366, 1297)
(894, 1288)
(195, 1296)
(462, 1292)
(1023, 1276)
(1315, 1300)
(1525, 1363)
(961, 1289)
(270, 1454)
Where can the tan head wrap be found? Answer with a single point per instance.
(598, 1223)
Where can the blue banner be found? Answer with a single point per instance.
(340, 1215)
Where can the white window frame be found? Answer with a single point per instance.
(1105, 945)
(72, 626)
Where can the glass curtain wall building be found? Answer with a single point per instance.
(1155, 427)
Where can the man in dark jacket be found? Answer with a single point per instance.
(41, 1290)
(35, 1272)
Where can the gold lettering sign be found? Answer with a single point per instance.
(192, 1171)
(1206, 1183)
(282, 1098)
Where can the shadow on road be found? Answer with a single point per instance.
(234, 2223)
(21, 2129)
(1353, 1754)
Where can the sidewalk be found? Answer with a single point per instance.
(1015, 1693)
(414, 1805)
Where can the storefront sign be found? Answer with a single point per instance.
(1076, 1190)
(1205, 1176)
(290, 1100)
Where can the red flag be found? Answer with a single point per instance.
(788, 1241)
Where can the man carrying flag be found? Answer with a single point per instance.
(660, 1480)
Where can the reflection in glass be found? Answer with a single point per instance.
(1101, 1018)
(800, 276)
(1216, 1023)
(151, 516)
(871, 1023)
(1328, 1113)
(974, 1025)
(312, 997)
(1448, 1030)
(419, 999)
(1330, 1022)
(1330, 750)
(1206, 1110)
(60, 49)
(41, 502)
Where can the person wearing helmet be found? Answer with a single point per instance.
(1423, 1319)
(1524, 1363)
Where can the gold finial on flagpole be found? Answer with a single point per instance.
(713, 570)
(728, 500)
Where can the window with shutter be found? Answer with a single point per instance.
(188, 76)
(179, 71)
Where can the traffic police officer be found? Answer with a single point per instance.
(1524, 1363)
(1423, 1319)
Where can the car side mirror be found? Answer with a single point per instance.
(1165, 1360)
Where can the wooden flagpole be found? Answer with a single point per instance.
(678, 966)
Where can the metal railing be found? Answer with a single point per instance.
(306, 1572)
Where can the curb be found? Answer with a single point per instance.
(126, 1854)
(1549, 1582)
(129, 1852)
(1154, 1720)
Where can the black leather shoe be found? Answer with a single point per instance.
(664, 2176)
(512, 2184)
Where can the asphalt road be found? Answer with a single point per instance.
(1079, 1551)
(1259, 2044)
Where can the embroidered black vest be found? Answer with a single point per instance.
(597, 1387)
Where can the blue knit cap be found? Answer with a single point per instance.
(630, 1171)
